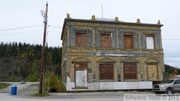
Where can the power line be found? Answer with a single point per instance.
(20, 28)
(20, 33)
(54, 26)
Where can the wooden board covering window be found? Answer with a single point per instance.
(80, 66)
(130, 71)
(81, 39)
(152, 71)
(128, 41)
(105, 40)
(106, 71)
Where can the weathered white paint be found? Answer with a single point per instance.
(111, 85)
(106, 85)
(80, 78)
(69, 85)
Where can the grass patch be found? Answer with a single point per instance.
(40, 95)
(3, 85)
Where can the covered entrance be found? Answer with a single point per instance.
(81, 75)
(152, 71)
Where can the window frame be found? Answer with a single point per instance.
(150, 35)
(110, 39)
(132, 44)
(84, 34)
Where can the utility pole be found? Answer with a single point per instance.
(43, 50)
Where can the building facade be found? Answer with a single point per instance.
(106, 54)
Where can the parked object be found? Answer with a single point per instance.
(13, 89)
(168, 87)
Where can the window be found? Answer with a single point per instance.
(128, 41)
(149, 42)
(106, 40)
(81, 39)
(130, 71)
(106, 71)
(152, 71)
(177, 82)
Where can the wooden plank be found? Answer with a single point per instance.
(128, 41)
(152, 72)
(130, 71)
(81, 39)
(80, 66)
(106, 71)
(78, 39)
(105, 40)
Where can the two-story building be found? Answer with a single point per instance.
(109, 54)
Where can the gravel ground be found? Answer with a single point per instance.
(29, 88)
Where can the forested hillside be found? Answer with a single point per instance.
(171, 71)
(22, 61)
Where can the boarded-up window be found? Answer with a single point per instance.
(81, 39)
(80, 66)
(152, 71)
(106, 71)
(149, 42)
(105, 40)
(128, 41)
(130, 71)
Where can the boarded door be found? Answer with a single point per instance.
(152, 72)
(130, 71)
(81, 78)
(106, 71)
(105, 40)
(128, 41)
(81, 75)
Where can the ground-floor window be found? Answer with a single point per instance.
(152, 71)
(106, 71)
(130, 70)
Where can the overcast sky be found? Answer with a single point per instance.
(21, 20)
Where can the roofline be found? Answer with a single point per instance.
(107, 22)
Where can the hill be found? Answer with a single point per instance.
(20, 61)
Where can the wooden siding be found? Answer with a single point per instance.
(106, 71)
(105, 40)
(152, 71)
(81, 39)
(130, 71)
(128, 41)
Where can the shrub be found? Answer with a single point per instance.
(54, 82)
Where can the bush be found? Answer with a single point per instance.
(53, 83)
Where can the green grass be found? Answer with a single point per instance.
(3, 85)
(40, 95)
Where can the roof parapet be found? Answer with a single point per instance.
(116, 19)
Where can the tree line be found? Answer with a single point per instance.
(23, 61)
(31, 52)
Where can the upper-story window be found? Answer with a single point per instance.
(81, 38)
(128, 41)
(150, 42)
(105, 40)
